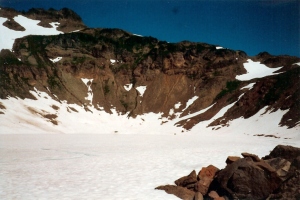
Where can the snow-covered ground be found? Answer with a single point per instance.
(113, 166)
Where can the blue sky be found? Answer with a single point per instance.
(248, 25)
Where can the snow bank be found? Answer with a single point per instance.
(8, 36)
(256, 70)
(30, 116)
(218, 47)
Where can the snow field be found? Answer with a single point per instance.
(112, 166)
(8, 36)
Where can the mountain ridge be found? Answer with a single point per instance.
(107, 63)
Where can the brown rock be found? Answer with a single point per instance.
(254, 157)
(12, 24)
(187, 180)
(296, 163)
(180, 192)
(205, 176)
(245, 179)
(287, 152)
(231, 159)
(289, 189)
(281, 166)
(198, 196)
(213, 194)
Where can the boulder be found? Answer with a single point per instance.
(284, 151)
(205, 177)
(296, 163)
(187, 181)
(290, 189)
(281, 166)
(198, 196)
(213, 194)
(180, 192)
(246, 179)
(254, 157)
(231, 159)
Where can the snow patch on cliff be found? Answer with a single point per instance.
(249, 86)
(54, 60)
(177, 105)
(256, 70)
(112, 61)
(128, 87)
(141, 90)
(190, 102)
(88, 83)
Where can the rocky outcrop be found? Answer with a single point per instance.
(272, 177)
(68, 20)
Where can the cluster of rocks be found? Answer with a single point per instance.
(275, 176)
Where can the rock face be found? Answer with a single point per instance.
(253, 178)
(171, 72)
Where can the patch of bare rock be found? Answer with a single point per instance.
(275, 176)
